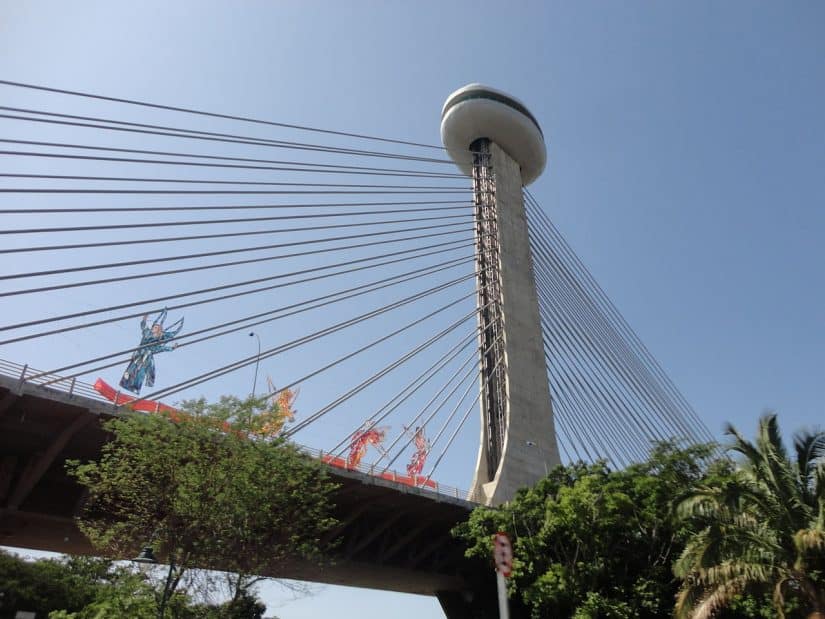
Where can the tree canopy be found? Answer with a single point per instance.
(90, 588)
(688, 532)
(761, 528)
(48, 584)
(591, 542)
(206, 489)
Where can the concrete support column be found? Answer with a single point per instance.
(529, 448)
(518, 440)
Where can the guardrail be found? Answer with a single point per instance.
(422, 483)
(26, 374)
(71, 386)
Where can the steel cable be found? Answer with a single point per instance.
(629, 366)
(199, 181)
(157, 299)
(383, 372)
(214, 266)
(402, 396)
(435, 411)
(223, 235)
(193, 134)
(282, 312)
(233, 207)
(641, 353)
(185, 110)
(308, 338)
(286, 166)
(580, 337)
(224, 252)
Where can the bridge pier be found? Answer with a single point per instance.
(518, 440)
(479, 603)
(459, 605)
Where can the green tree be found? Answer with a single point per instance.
(594, 543)
(244, 605)
(91, 588)
(206, 490)
(44, 585)
(760, 529)
(123, 594)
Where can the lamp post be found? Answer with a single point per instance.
(146, 561)
(257, 361)
(146, 557)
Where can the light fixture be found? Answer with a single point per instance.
(146, 556)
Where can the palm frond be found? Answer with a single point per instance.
(755, 527)
(717, 598)
(769, 438)
(737, 494)
(809, 540)
(768, 463)
(780, 474)
(702, 502)
(810, 449)
(742, 445)
(692, 555)
(810, 456)
(736, 570)
(779, 598)
(688, 597)
(818, 495)
(813, 594)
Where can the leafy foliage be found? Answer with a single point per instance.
(760, 528)
(590, 542)
(48, 584)
(91, 588)
(123, 594)
(206, 491)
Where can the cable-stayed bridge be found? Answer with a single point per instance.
(415, 309)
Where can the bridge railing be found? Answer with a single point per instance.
(71, 386)
(423, 483)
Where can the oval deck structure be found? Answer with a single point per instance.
(476, 111)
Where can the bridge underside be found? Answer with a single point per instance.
(390, 536)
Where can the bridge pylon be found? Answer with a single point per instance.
(493, 138)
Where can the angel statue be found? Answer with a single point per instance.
(153, 340)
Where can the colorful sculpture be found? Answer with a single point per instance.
(132, 403)
(153, 340)
(365, 436)
(422, 449)
(280, 411)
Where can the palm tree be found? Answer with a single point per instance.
(760, 527)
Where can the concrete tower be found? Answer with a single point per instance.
(493, 138)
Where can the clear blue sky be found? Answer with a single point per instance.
(686, 150)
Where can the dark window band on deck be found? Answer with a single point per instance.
(492, 96)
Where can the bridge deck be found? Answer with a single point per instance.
(392, 536)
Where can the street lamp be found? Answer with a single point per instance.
(146, 557)
(146, 561)
(257, 361)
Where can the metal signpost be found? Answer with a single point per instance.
(503, 557)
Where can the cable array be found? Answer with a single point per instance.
(351, 257)
(381, 310)
(611, 398)
(257, 121)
